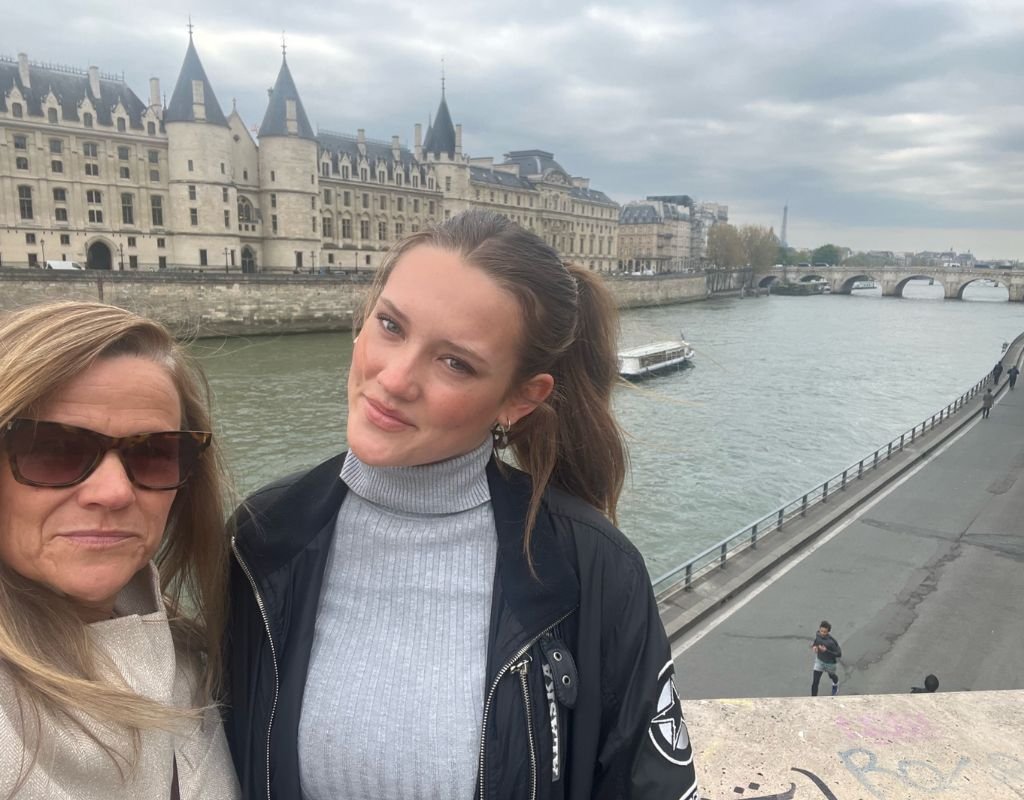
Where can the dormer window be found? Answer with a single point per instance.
(197, 93)
(51, 116)
(87, 120)
(16, 110)
(121, 126)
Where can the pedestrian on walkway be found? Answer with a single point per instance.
(826, 652)
(986, 403)
(997, 370)
(1011, 375)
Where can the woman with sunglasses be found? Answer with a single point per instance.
(416, 618)
(112, 562)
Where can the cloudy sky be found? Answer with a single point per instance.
(885, 124)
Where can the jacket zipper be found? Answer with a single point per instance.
(273, 652)
(523, 667)
(512, 662)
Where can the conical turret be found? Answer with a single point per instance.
(285, 115)
(193, 99)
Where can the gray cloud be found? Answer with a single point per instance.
(879, 121)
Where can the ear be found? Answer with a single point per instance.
(526, 398)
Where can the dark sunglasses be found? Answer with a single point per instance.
(51, 454)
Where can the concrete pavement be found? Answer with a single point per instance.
(927, 577)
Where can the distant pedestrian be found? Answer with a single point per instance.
(931, 684)
(826, 652)
(997, 370)
(1011, 375)
(986, 403)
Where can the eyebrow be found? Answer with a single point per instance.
(458, 349)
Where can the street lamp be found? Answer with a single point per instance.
(42, 244)
(226, 251)
(120, 250)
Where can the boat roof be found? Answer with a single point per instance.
(653, 347)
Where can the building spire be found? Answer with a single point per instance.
(190, 27)
(284, 46)
(442, 76)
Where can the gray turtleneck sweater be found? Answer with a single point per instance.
(395, 690)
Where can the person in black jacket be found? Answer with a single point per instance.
(826, 652)
(416, 618)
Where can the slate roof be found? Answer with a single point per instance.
(70, 87)
(496, 177)
(534, 162)
(339, 144)
(180, 108)
(441, 133)
(647, 213)
(591, 196)
(275, 121)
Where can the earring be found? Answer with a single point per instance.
(501, 433)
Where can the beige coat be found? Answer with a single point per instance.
(70, 765)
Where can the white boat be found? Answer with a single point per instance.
(648, 359)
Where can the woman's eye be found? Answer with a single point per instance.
(388, 324)
(458, 366)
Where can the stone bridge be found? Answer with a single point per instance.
(893, 279)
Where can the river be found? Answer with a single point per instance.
(785, 391)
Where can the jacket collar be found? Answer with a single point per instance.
(536, 600)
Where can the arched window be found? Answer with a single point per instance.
(245, 210)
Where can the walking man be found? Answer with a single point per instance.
(1011, 375)
(826, 652)
(997, 370)
(986, 403)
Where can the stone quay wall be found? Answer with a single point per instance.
(212, 304)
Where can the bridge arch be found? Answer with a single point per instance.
(846, 287)
(767, 281)
(982, 279)
(902, 283)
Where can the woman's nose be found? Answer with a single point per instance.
(109, 484)
(399, 378)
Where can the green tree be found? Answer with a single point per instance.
(725, 246)
(826, 254)
(760, 244)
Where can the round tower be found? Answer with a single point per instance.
(202, 206)
(289, 183)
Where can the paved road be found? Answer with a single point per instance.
(930, 578)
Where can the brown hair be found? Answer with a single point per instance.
(570, 329)
(44, 646)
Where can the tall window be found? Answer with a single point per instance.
(193, 216)
(328, 229)
(156, 210)
(382, 230)
(128, 208)
(56, 146)
(227, 218)
(16, 110)
(21, 162)
(364, 229)
(245, 210)
(87, 119)
(122, 153)
(191, 191)
(121, 126)
(346, 229)
(202, 258)
(25, 201)
(90, 149)
(153, 156)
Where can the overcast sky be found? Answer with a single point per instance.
(884, 124)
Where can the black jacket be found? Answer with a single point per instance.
(580, 700)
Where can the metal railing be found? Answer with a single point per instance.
(749, 537)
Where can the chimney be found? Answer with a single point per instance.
(361, 141)
(418, 141)
(458, 139)
(94, 81)
(154, 92)
(396, 148)
(23, 70)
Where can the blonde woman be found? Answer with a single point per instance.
(112, 562)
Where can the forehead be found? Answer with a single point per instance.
(444, 296)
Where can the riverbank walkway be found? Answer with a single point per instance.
(923, 573)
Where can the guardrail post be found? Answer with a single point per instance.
(888, 455)
(753, 536)
(902, 437)
(913, 433)
(824, 492)
(876, 459)
(724, 550)
(689, 574)
(782, 516)
(844, 480)
(860, 469)
(803, 507)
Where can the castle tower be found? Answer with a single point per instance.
(442, 151)
(203, 203)
(289, 183)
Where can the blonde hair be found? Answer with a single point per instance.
(570, 329)
(44, 646)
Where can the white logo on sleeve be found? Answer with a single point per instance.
(668, 730)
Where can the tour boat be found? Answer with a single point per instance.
(648, 359)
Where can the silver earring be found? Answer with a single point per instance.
(501, 433)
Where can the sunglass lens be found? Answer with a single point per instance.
(50, 455)
(162, 460)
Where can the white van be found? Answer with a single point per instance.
(74, 265)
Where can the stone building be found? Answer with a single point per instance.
(91, 173)
(654, 235)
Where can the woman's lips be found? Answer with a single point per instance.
(97, 539)
(385, 418)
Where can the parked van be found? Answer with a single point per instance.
(74, 265)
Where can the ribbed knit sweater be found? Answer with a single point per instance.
(395, 690)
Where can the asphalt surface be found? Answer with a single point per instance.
(927, 579)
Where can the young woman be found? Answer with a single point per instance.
(417, 619)
(108, 474)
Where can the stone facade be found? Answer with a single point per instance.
(654, 236)
(90, 173)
